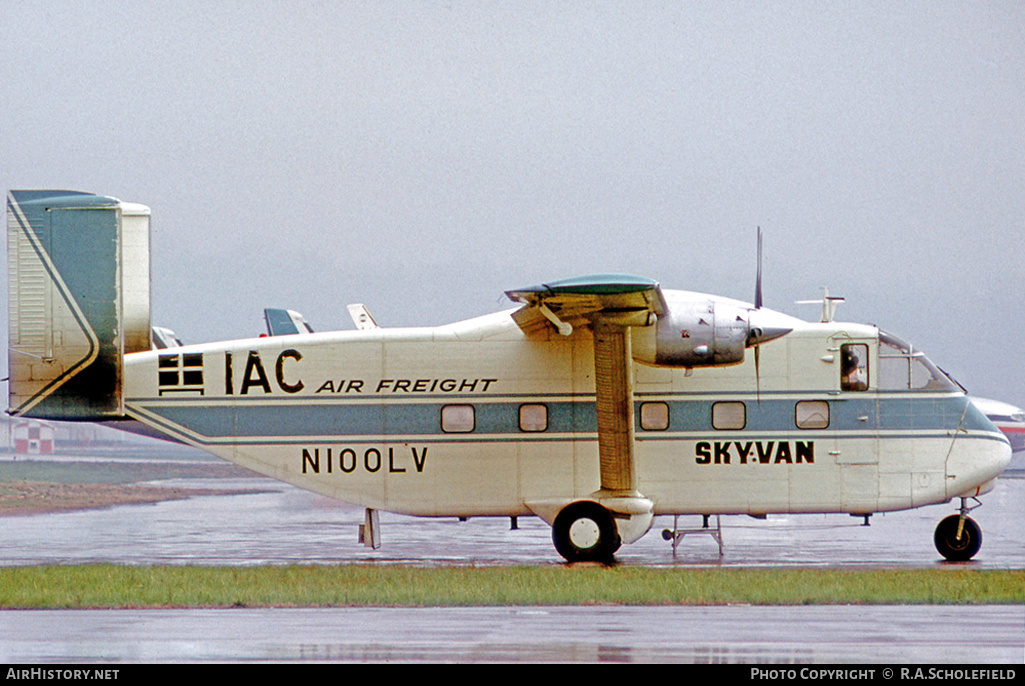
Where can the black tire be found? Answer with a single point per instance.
(948, 544)
(585, 531)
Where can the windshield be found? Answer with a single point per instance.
(902, 368)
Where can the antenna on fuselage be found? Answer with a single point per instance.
(829, 304)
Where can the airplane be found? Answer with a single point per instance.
(285, 322)
(165, 338)
(1009, 419)
(595, 403)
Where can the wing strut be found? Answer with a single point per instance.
(613, 377)
(610, 305)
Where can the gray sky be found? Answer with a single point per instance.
(424, 157)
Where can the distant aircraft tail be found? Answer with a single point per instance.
(79, 301)
(285, 322)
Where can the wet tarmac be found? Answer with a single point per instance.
(769, 636)
(279, 524)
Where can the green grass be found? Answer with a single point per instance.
(110, 586)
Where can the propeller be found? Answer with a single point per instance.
(763, 325)
(758, 306)
(758, 274)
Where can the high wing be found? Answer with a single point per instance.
(608, 304)
(627, 300)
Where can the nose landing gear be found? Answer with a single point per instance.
(958, 537)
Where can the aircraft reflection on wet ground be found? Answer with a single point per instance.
(269, 522)
(770, 636)
(266, 522)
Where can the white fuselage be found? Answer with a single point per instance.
(477, 418)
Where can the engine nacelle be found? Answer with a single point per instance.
(704, 331)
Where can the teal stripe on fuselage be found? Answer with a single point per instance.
(360, 419)
(498, 418)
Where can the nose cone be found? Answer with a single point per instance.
(973, 464)
(767, 325)
(979, 457)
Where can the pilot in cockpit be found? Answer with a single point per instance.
(851, 378)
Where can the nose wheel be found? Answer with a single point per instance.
(958, 537)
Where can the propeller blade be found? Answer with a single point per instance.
(758, 273)
(758, 376)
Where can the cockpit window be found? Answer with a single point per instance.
(854, 367)
(902, 368)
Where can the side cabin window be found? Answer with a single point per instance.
(854, 367)
(812, 414)
(533, 417)
(902, 368)
(457, 418)
(654, 416)
(729, 415)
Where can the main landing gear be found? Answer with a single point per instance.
(958, 537)
(586, 532)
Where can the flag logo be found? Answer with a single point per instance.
(180, 373)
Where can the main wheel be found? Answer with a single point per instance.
(585, 532)
(953, 548)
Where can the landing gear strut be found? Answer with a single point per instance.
(958, 537)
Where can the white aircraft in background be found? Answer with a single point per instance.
(1010, 420)
(596, 404)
